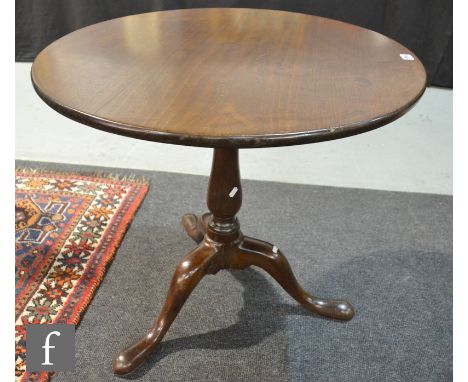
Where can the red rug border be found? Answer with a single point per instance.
(121, 230)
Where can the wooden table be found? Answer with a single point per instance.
(227, 79)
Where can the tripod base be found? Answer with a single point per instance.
(221, 245)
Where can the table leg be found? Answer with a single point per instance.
(196, 226)
(222, 246)
(266, 256)
(191, 269)
(254, 252)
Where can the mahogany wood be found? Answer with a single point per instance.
(196, 226)
(226, 77)
(222, 246)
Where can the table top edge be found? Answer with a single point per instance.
(244, 141)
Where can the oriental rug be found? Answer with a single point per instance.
(67, 230)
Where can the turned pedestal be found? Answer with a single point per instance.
(222, 245)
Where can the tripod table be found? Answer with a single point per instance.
(227, 79)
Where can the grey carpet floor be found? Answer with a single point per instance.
(388, 253)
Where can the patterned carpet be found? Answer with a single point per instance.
(68, 228)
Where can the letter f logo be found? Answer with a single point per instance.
(46, 348)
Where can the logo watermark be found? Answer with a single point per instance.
(50, 347)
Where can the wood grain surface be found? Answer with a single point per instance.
(223, 77)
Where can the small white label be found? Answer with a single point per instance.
(233, 192)
(275, 249)
(407, 57)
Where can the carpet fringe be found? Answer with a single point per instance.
(91, 174)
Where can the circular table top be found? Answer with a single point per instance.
(224, 77)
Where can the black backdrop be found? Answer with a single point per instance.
(424, 26)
